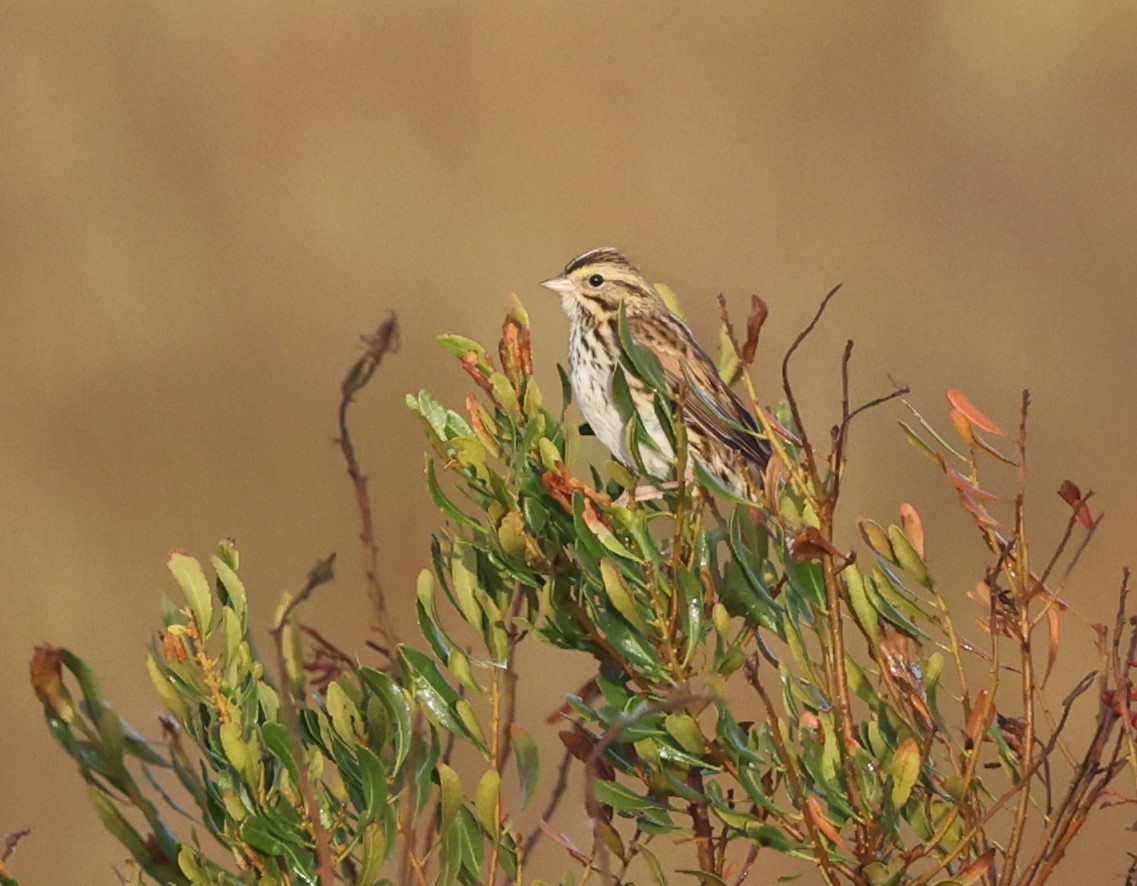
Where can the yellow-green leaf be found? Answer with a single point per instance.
(465, 712)
(346, 718)
(189, 575)
(166, 692)
(486, 799)
(620, 596)
(465, 586)
(907, 557)
(876, 538)
(511, 534)
(450, 786)
(685, 729)
(904, 767)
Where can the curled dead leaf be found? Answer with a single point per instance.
(810, 544)
(759, 311)
(1072, 495)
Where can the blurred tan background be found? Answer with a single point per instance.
(203, 205)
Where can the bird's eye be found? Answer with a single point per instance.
(595, 281)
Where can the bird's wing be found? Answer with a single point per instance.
(691, 377)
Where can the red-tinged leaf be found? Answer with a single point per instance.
(961, 483)
(809, 720)
(481, 422)
(561, 485)
(47, 679)
(810, 544)
(980, 717)
(782, 431)
(976, 510)
(759, 311)
(823, 824)
(1053, 635)
(580, 745)
(515, 350)
(470, 363)
(961, 402)
(977, 869)
(1072, 495)
(913, 527)
(564, 842)
(898, 667)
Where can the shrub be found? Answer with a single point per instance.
(759, 690)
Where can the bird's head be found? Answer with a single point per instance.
(600, 281)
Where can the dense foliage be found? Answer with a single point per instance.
(758, 689)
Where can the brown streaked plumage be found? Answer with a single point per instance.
(722, 434)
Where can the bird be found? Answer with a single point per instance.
(722, 434)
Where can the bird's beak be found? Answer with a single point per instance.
(561, 285)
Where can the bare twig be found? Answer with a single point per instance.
(384, 340)
(811, 460)
(554, 801)
(11, 841)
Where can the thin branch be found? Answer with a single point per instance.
(789, 767)
(678, 700)
(701, 822)
(384, 340)
(554, 801)
(788, 388)
(321, 573)
(11, 841)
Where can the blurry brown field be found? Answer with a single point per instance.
(203, 208)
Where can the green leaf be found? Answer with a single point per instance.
(692, 610)
(442, 502)
(374, 783)
(190, 577)
(528, 765)
(623, 799)
(347, 720)
(114, 821)
(658, 877)
(727, 363)
(907, 557)
(398, 707)
(465, 585)
(486, 798)
(685, 729)
(277, 739)
(862, 607)
(233, 586)
(257, 834)
(469, 718)
(430, 688)
(918, 441)
(644, 362)
(460, 346)
(904, 768)
(621, 598)
(450, 786)
(374, 854)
